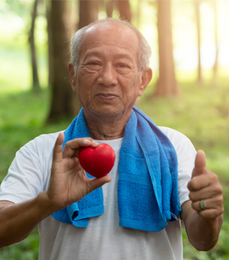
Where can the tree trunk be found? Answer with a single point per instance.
(167, 84)
(49, 29)
(88, 12)
(63, 100)
(215, 66)
(198, 29)
(124, 9)
(35, 78)
(109, 7)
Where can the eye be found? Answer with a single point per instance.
(122, 67)
(93, 65)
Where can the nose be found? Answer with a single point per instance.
(107, 76)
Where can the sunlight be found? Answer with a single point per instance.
(11, 25)
(185, 42)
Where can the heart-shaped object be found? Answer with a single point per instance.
(97, 161)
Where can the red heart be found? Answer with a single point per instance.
(97, 161)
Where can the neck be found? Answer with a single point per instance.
(105, 131)
(106, 128)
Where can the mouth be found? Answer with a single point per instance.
(108, 96)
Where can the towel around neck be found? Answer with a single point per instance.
(148, 178)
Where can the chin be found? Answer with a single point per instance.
(106, 113)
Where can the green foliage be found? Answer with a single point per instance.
(26, 250)
(22, 118)
(201, 113)
(220, 252)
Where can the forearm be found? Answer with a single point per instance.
(203, 234)
(18, 220)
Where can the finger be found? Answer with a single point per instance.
(208, 187)
(72, 147)
(210, 214)
(196, 205)
(57, 150)
(212, 203)
(200, 164)
(98, 182)
(197, 184)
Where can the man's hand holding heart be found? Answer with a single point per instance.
(68, 181)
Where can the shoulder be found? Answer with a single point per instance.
(181, 143)
(175, 136)
(41, 146)
(44, 140)
(29, 172)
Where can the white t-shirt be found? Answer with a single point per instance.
(103, 239)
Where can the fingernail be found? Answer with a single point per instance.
(86, 141)
(94, 143)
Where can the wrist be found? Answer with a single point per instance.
(48, 207)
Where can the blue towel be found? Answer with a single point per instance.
(148, 178)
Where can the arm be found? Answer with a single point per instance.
(68, 183)
(203, 225)
(18, 220)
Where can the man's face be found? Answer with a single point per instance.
(107, 79)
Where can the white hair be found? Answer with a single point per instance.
(144, 48)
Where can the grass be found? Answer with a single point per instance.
(22, 117)
(201, 113)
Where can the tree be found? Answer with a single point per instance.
(123, 6)
(198, 30)
(167, 84)
(88, 12)
(215, 66)
(35, 85)
(63, 101)
(109, 5)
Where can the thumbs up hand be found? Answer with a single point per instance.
(203, 213)
(205, 189)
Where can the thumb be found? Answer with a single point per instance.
(95, 183)
(200, 164)
(57, 150)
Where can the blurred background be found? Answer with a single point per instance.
(189, 90)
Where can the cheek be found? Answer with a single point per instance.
(86, 79)
(85, 86)
(131, 85)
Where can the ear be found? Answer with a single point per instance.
(72, 76)
(145, 79)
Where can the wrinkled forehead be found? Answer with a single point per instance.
(111, 33)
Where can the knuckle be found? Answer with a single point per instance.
(195, 206)
(67, 145)
(192, 196)
(218, 189)
(222, 209)
(193, 184)
(214, 178)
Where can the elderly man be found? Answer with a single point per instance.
(158, 180)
